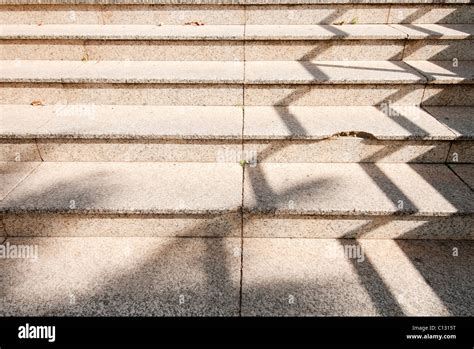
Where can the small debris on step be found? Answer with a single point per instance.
(195, 23)
(37, 102)
(354, 20)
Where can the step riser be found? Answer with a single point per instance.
(110, 150)
(368, 50)
(439, 95)
(232, 94)
(362, 14)
(234, 50)
(384, 227)
(125, 225)
(225, 14)
(120, 94)
(357, 228)
(122, 50)
(345, 149)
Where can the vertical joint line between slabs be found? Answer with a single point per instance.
(244, 42)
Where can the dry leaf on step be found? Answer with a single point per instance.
(197, 24)
(37, 102)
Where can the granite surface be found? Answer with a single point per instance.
(153, 188)
(318, 277)
(355, 189)
(125, 276)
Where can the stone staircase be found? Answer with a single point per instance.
(237, 157)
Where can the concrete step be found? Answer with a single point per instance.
(216, 134)
(460, 121)
(279, 200)
(359, 83)
(357, 200)
(465, 172)
(296, 277)
(226, 42)
(235, 12)
(220, 83)
(358, 42)
(122, 199)
(202, 276)
(356, 134)
(121, 133)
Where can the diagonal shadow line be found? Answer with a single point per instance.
(376, 287)
(300, 129)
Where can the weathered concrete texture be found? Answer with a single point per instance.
(436, 31)
(321, 72)
(324, 50)
(12, 174)
(77, 225)
(122, 72)
(346, 149)
(123, 32)
(354, 189)
(122, 94)
(337, 95)
(152, 188)
(90, 121)
(386, 122)
(443, 72)
(197, 151)
(122, 50)
(318, 277)
(122, 14)
(363, 227)
(459, 120)
(125, 276)
(466, 172)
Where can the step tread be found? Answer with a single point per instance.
(211, 188)
(325, 72)
(436, 31)
(354, 189)
(122, 71)
(12, 174)
(133, 275)
(225, 123)
(395, 123)
(444, 72)
(121, 121)
(460, 120)
(415, 278)
(380, 277)
(151, 188)
(465, 172)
